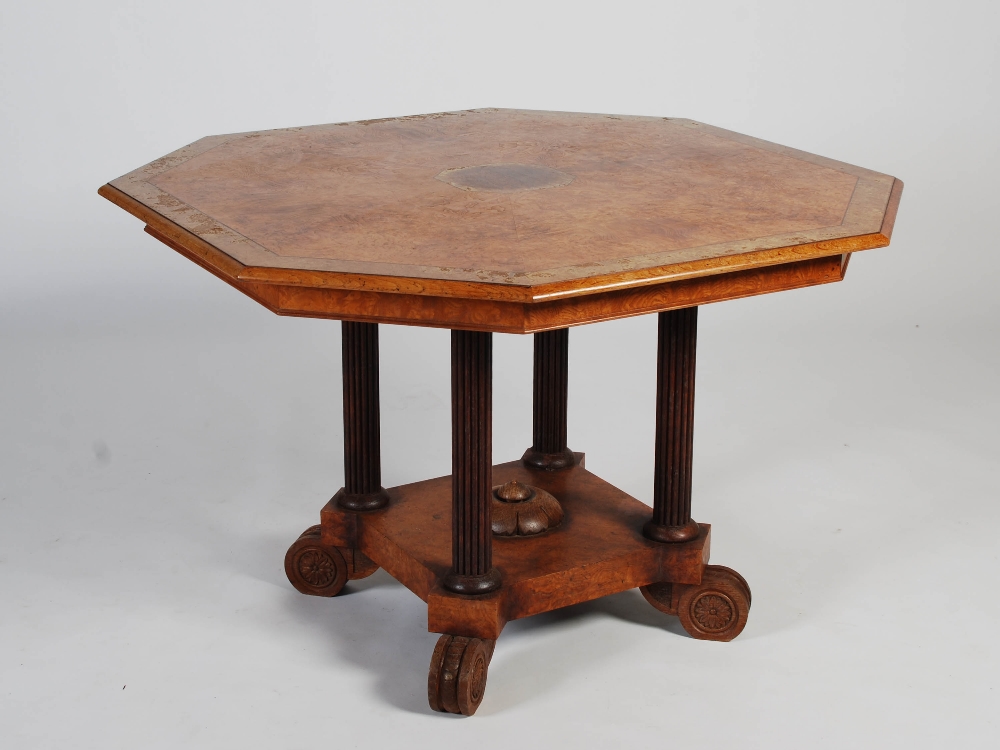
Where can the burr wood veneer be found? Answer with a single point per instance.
(510, 221)
(566, 218)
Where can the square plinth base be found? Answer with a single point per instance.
(597, 550)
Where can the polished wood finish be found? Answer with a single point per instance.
(598, 550)
(677, 341)
(328, 221)
(520, 317)
(362, 443)
(518, 222)
(472, 570)
(550, 398)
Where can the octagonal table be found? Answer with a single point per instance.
(510, 221)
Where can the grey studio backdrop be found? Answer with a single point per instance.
(164, 439)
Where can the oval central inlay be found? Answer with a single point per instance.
(505, 178)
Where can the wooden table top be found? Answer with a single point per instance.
(533, 220)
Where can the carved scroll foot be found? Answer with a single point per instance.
(714, 610)
(320, 570)
(457, 678)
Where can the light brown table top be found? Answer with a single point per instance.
(521, 209)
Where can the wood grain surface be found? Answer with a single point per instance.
(676, 355)
(517, 317)
(362, 421)
(597, 550)
(502, 205)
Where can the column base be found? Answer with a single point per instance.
(472, 585)
(549, 461)
(660, 533)
(370, 501)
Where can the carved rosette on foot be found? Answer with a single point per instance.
(522, 510)
(320, 570)
(456, 681)
(714, 610)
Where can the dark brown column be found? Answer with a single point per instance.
(362, 453)
(675, 360)
(472, 570)
(548, 449)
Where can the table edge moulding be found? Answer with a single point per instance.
(425, 295)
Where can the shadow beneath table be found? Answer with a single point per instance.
(375, 624)
(539, 656)
(380, 627)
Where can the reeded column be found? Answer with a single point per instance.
(675, 363)
(472, 570)
(549, 399)
(362, 451)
